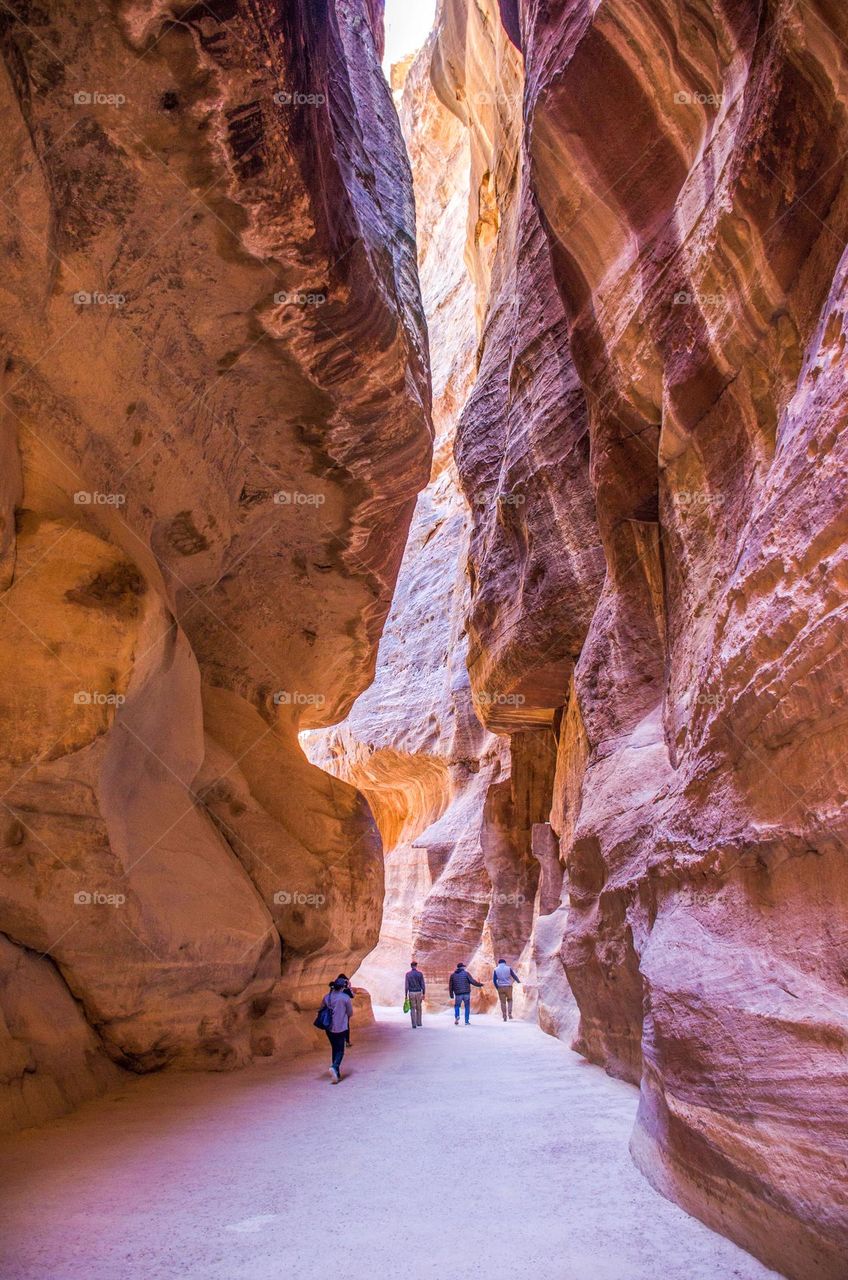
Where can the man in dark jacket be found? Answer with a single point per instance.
(414, 989)
(461, 983)
(503, 977)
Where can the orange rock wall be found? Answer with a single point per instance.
(215, 420)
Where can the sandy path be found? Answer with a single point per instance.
(450, 1153)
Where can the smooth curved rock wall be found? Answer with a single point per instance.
(680, 175)
(215, 420)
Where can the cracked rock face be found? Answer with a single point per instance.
(659, 408)
(215, 420)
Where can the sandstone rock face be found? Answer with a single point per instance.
(454, 805)
(521, 441)
(412, 743)
(215, 420)
(616, 748)
(523, 436)
(51, 1058)
(670, 595)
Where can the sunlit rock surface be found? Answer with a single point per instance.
(216, 417)
(678, 215)
(616, 748)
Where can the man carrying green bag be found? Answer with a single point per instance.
(414, 989)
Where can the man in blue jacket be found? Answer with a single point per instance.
(460, 985)
(503, 977)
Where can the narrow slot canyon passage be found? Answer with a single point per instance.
(490, 1152)
(423, 538)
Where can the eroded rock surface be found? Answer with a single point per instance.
(617, 749)
(670, 595)
(413, 743)
(215, 420)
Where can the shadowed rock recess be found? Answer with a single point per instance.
(215, 420)
(605, 728)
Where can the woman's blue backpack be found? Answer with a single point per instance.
(324, 1021)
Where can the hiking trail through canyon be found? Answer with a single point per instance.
(491, 1151)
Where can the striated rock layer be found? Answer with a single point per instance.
(412, 743)
(456, 804)
(215, 420)
(660, 580)
(518, 654)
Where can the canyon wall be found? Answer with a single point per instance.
(604, 731)
(654, 455)
(412, 743)
(522, 449)
(456, 800)
(215, 421)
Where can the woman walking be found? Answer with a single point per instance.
(348, 990)
(340, 1006)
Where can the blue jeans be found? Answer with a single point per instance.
(457, 1001)
(337, 1043)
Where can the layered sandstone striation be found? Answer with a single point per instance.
(215, 420)
(662, 381)
(455, 803)
(413, 744)
(615, 748)
(521, 443)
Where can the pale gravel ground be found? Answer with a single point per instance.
(449, 1153)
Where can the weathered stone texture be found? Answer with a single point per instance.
(215, 420)
(670, 594)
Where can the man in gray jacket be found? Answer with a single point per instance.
(414, 989)
(460, 986)
(503, 977)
